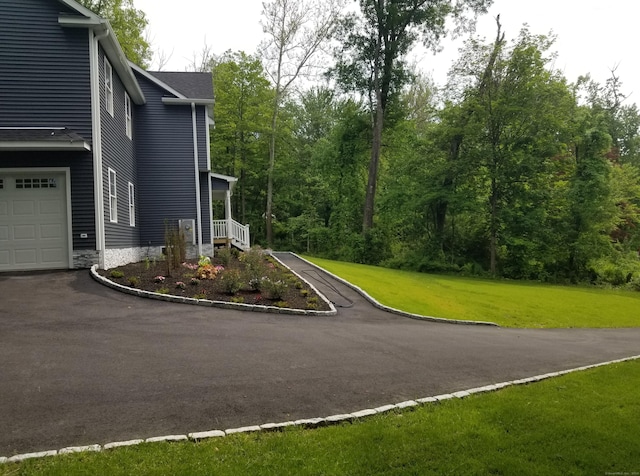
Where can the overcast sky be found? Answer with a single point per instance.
(592, 36)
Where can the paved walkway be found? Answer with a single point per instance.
(83, 364)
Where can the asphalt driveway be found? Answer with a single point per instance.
(83, 364)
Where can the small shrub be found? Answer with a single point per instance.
(304, 292)
(116, 274)
(311, 306)
(163, 291)
(201, 295)
(175, 246)
(231, 281)
(237, 299)
(224, 255)
(312, 300)
(282, 304)
(203, 260)
(274, 288)
(133, 281)
(206, 271)
(194, 281)
(299, 284)
(147, 263)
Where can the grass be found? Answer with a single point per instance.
(582, 423)
(507, 303)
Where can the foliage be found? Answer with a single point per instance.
(116, 274)
(273, 288)
(175, 247)
(129, 25)
(231, 280)
(580, 423)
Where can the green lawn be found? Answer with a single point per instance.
(507, 303)
(582, 423)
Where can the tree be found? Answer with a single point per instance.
(296, 31)
(128, 23)
(372, 57)
(243, 94)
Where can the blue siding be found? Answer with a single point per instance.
(203, 130)
(118, 153)
(45, 82)
(164, 151)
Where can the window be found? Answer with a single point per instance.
(1, 184)
(36, 183)
(127, 115)
(108, 86)
(113, 197)
(132, 206)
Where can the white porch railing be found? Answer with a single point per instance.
(238, 237)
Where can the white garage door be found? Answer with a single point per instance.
(33, 221)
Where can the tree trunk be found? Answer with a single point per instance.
(493, 226)
(272, 161)
(374, 163)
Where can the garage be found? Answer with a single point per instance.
(34, 222)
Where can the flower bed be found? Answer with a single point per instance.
(250, 277)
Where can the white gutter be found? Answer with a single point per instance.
(196, 168)
(97, 142)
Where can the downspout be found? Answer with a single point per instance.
(197, 172)
(96, 126)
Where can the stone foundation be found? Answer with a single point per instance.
(85, 258)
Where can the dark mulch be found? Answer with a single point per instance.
(148, 276)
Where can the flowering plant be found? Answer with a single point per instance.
(180, 285)
(190, 266)
(159, 279)
(195, 281)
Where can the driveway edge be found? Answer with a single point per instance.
(392, 310)
(311, 422)
(219, 304)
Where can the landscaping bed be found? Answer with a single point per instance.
(252, 277)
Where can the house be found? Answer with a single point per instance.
(97, 156)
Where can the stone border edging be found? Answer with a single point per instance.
(392, 310)
(309, 422)
(219, 304)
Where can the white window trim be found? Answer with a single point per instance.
(132, 205)
(127, 116)
(108, 86)
(113, 196)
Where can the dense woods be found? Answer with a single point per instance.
(508, 169)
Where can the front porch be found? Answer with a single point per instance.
(231, 233)
(227, 232)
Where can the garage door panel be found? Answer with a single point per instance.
(50, 207)
(26, 257)
(53, 255)
(51, 232)
(33, 221)
(24, 232)
(24, 207)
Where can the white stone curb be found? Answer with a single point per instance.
(313, 422)
(392, 310)
(121, 444)
(219, 304)
(244, 429)
(203, 435)
(157, 439)
(79, 449)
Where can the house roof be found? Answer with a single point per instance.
(189, 84)
(42, 138)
